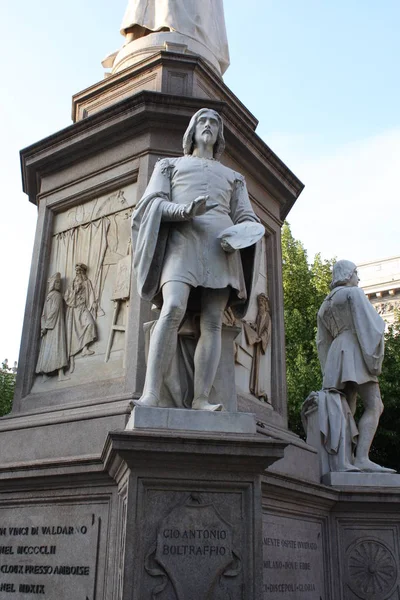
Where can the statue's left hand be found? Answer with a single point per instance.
(225, 245)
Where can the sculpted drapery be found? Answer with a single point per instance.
(201, 20)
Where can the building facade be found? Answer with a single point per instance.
(380, 279)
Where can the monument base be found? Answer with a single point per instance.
(145, 417)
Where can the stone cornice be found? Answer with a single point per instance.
(147, 110)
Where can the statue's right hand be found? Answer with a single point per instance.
(198, 207)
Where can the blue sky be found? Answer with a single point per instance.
(321, 76)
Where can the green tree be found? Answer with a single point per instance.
(385, 447)
(7, 386)
(304, 287)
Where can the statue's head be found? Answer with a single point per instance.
(81, 269)
(54, 282)
(205, 124)
(344, 273)
(263, 302)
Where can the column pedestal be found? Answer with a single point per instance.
(189, 516)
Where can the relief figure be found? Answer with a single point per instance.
(257, 335)
(53, 347)
(81, 314)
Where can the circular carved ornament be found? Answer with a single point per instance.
(371, 569)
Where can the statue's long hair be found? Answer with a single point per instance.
(188, 138)
(342, 272)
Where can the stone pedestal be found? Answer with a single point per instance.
(191, 513)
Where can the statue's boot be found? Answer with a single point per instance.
(368, 466)
(148, 399)
(202, 403)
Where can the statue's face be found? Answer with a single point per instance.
(354, 279)
(57, 284)
(207, 128)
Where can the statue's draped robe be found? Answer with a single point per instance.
(350, 338)
(53, 348)
(190, 251)
(80, 317)
(201, 20)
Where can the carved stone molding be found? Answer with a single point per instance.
(371, 569)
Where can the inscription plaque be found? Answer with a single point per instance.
(292, 559)
(193, 551)
(48, 552)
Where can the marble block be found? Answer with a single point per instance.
(362, 479)
(145, 417)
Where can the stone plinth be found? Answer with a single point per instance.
(190, 525)
(144, 417)
(361, 479)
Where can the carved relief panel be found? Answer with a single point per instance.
(85, 310)
(195, 544)
(369, 562)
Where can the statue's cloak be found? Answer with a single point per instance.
(350, 338)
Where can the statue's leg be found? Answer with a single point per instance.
(351, 392)
(163, 340)
(367, 426)
(208, 349)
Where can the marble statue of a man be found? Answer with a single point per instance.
(350, 342)
(180, 262)
(201, 20)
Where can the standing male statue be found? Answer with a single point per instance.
(350, 342)
(201, 20)
(180, 261)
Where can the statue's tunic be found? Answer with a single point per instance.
(350, 338)
(190, 251)
(201, 20)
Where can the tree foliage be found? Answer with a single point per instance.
(385, 447)
(304, 287)
(7, 386)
